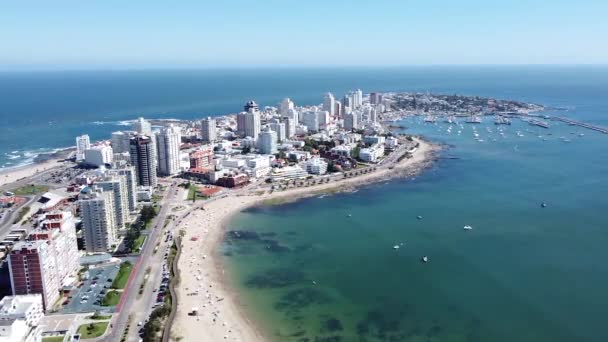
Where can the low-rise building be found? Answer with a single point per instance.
(288, 173)
(371, 154)
(99, 155)
(233, 181)
(316, 166)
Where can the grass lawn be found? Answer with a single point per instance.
(53, 338)
(123, 275)
(92, 330)
(30, 190)
(111, 299)
(100, 317)
(138, 242)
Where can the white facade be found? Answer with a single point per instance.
(316, 166)
(83, 143)
(142, 126)
(98, 221)
(371, 154)
(290, 128)
(99, 155)
(249, 124)
(208, 130)
(168, 143)
(131, 182)
(64, 245)
(342, 150)
(310, 119)
(351, 121)
(286, 106)
(279, 127)
(323, 119)
(120, 141)
(329, 104)
(117, 186)
(288, 173)
(267, 142)
(27, 308)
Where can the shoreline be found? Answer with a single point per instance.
(201, 266)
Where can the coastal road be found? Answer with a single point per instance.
(130, 303)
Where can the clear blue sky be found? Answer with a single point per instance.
(224, 33)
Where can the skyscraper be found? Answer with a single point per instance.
(278, 127)
(329, 104)
(143, 127)
(251, 107)
(83, 143)
(290, 127)
(144, 160)
(338, 110)
(286, 106)
(351, 121)
(311, 121)
(117, 186)
(347, 103)
(120, 141)
(98, 220)
(267, 144)
(208, 130)
(249, 122)
(323, 119)
(168, 143)
(128, 173)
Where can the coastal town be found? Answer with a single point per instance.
(116, 241)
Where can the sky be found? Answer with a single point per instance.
(95, 34)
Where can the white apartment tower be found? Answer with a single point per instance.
(329, 104)
(83, 143)
(117, 186)
(142, 126)
(267, 143)
(249, 122)
(168, 143)
(98, 221)
(279, 127)
(286, 106)
(120, 141)
(311, 121)
(290, 127)
(131, 184)
(351, 121)
(208, 130)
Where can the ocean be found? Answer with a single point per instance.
(44, 111)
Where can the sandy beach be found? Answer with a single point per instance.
(202, 284)
(11, 175)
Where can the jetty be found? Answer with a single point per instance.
(581, 124)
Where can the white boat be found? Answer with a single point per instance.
(424, 259)
(395, 247)
(467, 227)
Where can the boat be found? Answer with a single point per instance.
(424, 259)
(543, 205)
(467, 227)
(419, 217)
(349, 215)
(473, 119)
(395, 247)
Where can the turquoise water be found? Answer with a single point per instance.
(524, 273)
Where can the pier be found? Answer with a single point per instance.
(581, 124)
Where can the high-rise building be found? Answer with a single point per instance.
(347, 102)
(373, 115)
(267, 143)
(144, 160)
(99, 155)
(323, 119)
(351, 121)
(208, 130)
(311, 121)
(290, 127)
(59, 229)
(201, 159)
(251, 107)
(168, 143)
(279, 127)
(98, 221)
(329, 104)
(286, 106)
(128, 172)
(358, 95)
(117, 186)
(83, 143)
(375, 98)
(33, 270)
(338, 110)
(142, 127)
(120, 141)
(249, 122)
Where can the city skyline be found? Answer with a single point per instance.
(113, 35)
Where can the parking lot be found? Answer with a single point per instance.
(87, 298)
